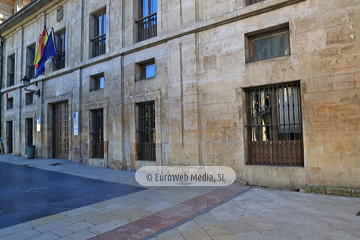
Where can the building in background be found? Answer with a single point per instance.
(269, 88)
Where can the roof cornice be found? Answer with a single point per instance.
(21, 15)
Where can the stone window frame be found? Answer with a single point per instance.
(93, 131)
(60, 58)
(29, 98)
(104, 105)
(143, 130)
(157, 98)
(280, 128)
(140, 69)
(98, 37)
(262, 33)
(9, 103)
(11, 70)
(95, 82)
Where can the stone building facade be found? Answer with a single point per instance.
(270, 88)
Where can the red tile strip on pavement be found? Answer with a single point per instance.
(158, 221)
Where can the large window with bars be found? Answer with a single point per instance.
(11, 70)
(146, 131)
(274, 126)
(29, 131)
(97, 133)
(99, 39)
(60, 44)
(147, 22)
(9, 136)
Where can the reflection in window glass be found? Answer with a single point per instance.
(101, 82)
(150, 71)
(271, 46)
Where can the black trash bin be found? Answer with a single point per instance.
(31, 151)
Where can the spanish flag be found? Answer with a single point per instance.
(42, 40)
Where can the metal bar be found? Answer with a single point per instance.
(149, 16)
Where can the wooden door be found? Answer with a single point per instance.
(61, 130)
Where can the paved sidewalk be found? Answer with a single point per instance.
(272, 215)
(235, 212)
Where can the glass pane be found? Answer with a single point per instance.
(289, 109)
(104, 24)
(153, 6)
(62, 40)
(271, 46)
(98, 26)
(261, 114)
(150, 71)
(101, 82)
(145, 8)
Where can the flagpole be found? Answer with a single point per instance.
(56, 49)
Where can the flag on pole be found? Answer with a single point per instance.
(42, 40)
(48, 51)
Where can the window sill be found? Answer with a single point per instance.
(96, 90)
(144, 79)
(275, 166)
(270, 59)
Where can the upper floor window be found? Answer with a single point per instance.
(270, 44)
(99, 39)
(11, 70)
(97, 82)
(145, 70)
(29, 98)
(249, 2)
(30, 54)
(10, 103)
(60, 44)
(147, 22)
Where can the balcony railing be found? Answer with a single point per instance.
(249, 2)
(59, 61)
(147, 27)
(99, 45)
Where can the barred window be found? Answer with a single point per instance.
(146, 131)
(97, 133)
(29, 131)
(274, 126)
